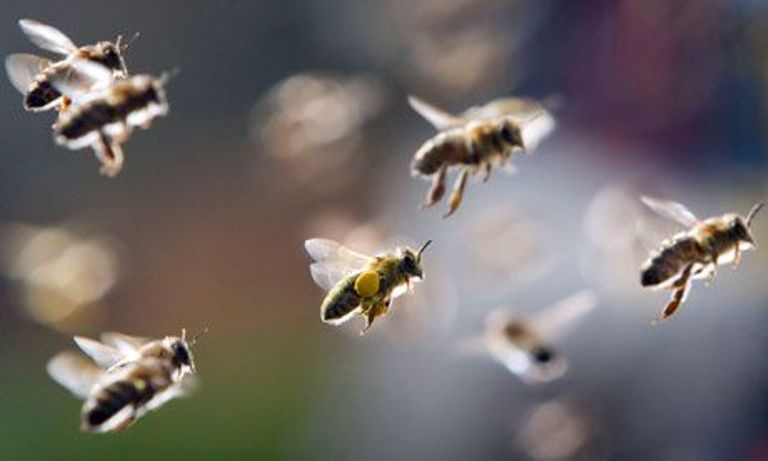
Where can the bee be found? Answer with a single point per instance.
(523, 345)
(475, 141)
(104, 118)
(358, 284)
(696, 252)
(127, 377)
(33, 75)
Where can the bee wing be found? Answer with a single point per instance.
(536, 127)
(104, 356)
(74, 372)
(554, 322)
(23, 68)
(81, 78)
(126, 344)
(517, 107)
(671, 210)
(47, 37)
(333, 261)
(439, 118)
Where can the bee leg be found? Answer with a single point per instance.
(486, 171)
(110, 154)
(437, 190)
(458, 192)
(376, 310)
(64, 104)
(681, 286)
(736, 257)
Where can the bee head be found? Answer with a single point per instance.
(410, 262)
(110, 55)
(740, 226)
(181, 350)
(511, 134)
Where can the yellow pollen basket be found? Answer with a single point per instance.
(367, 284)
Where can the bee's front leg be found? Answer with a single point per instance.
(458, 192)
(736, 257)
(437, 190)
(681, 286)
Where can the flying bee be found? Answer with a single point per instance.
(524, 345)
(696, 252)
(475, 141)
(33, 75)
(358, 284)
(104, 118)
(128, 376)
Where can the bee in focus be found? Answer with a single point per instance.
(696, 252)
(476, 141)
(358, 284)
(524, 346)
(104, 118)
(33, 75)
(128, 377)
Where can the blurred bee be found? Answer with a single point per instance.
(104, 118)
(523, 345)
(476, 140)
(130, 377)
(696, 252)
(358, 284)
(33, 75)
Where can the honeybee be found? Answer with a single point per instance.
(358, 284)
(476, 140)
(128, 376)
(33, 75)
(104, 118)
(523, 345)
(696, 252)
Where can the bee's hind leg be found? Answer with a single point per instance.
(458, 192)
(736, 257)
(486, 171)
(437, 190)
(374, 311)
(681, 286)
(110, 154)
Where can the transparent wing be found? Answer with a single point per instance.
(47, 37)
(333, 261)
(518, 107)
(74, 372)
(104, 356)
(439, 118)
(23, 68)
(127, 345)
(80, 78)
(671, 210)
(536, 128)
(554, 322)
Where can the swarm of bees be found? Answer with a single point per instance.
(127, 376)
(98, 103)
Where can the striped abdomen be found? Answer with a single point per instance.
(132, 390)
(40, 95)
(670, 260)
(340, 301)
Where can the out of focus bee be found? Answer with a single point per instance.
(358, 284)
(476, 141)
(128, 377)
(104, 118)
(523, 345)
(696, 252)
(33, 76)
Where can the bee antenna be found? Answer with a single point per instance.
(197, 336)
(166, 76)
(183, 334)
(125, 46)
(423, 247)
(755, 209)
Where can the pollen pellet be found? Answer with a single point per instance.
(367, 284)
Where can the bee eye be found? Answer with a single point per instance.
(409, 263)
(180, 354)
(507, 134)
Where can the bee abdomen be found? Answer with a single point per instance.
(341, 301)
(113, 398)
(445, 149)
(85, 120)
(669, 261)
(40, 95)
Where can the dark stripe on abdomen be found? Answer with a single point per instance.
(669, 262)
(342, 300)
(112, 399)
(40, 95)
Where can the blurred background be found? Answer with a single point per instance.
(288, 121)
